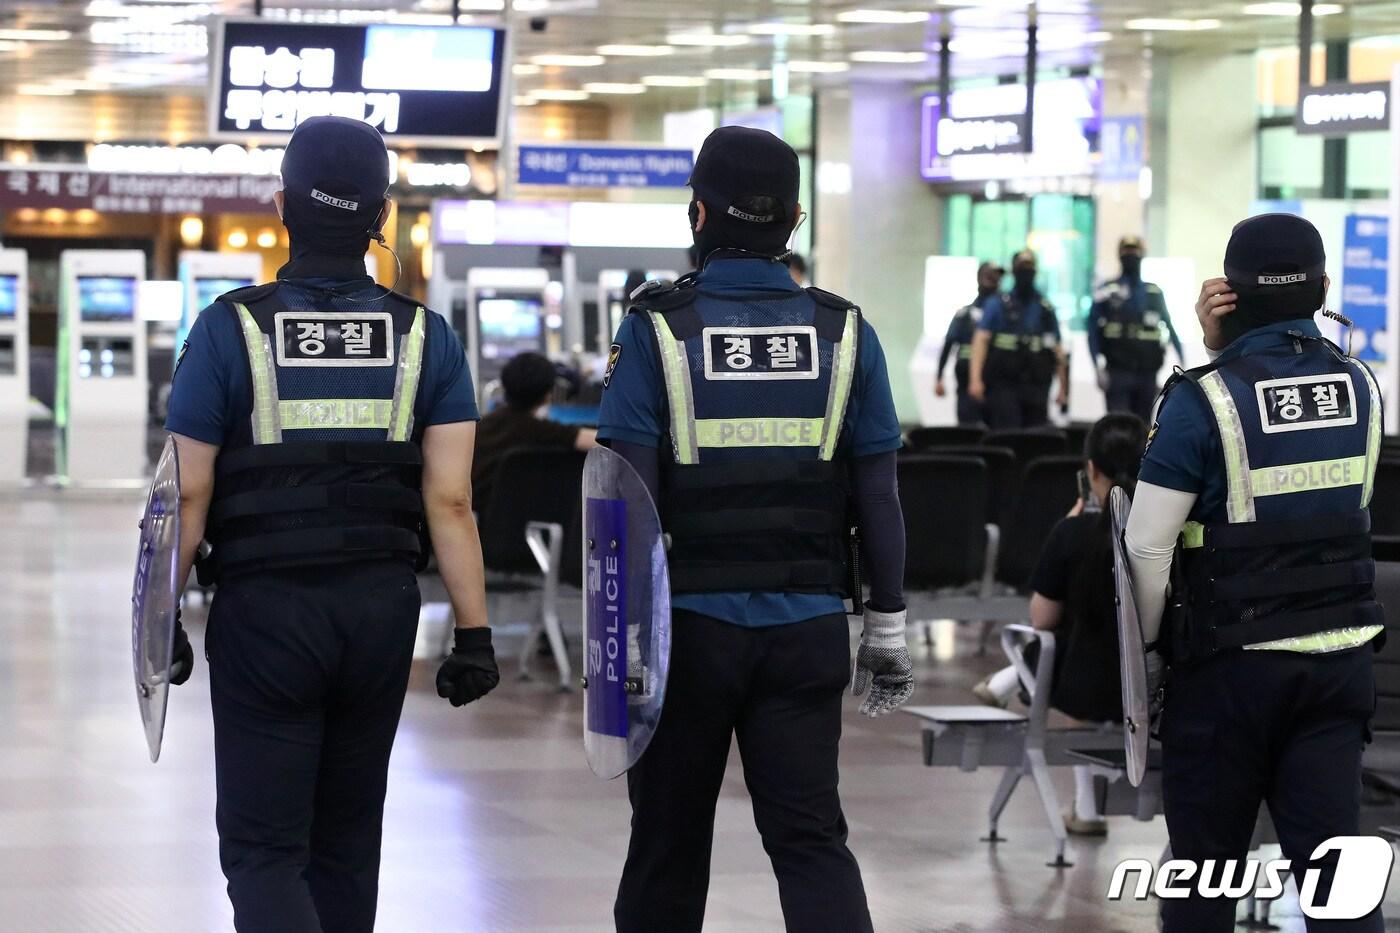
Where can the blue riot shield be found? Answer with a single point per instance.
(1131, 654)
(626, 614)
(155, 596)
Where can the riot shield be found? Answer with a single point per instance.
(155, 596)
(1131, 655)
(626, 614)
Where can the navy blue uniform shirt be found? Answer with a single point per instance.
(1183, 451)
(994, 316)
(635, 411)
(212, 391)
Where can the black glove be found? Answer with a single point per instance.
(181, 655)
(469, 673)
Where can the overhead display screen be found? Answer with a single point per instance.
(103, 298)
(426, 85)
(509, 326)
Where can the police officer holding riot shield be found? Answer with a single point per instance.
(760, 413)
(1258, 480)
(1017, 353)
(1125, 334)
(323, 425)
(962, 331)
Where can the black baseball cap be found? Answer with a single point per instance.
(739, 166)
(336, 171)
(1273, 251)
(990, 267)
(1131, 244)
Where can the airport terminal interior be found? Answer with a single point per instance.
(540, 156)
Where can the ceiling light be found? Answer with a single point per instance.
(613, 87)
(523, 100)
(893, 17)
(1172, 25)
(712, 39)
(43, 90)
(35, 35)
(987, 47)
(530, 6)
(675, 81)
(569, 61)
(559, 94)
(525, 70)
(738, 74)
(635, 51)
(10, 45)
(1291, 9)
(877, 57)
(818, 68)
(792, 29)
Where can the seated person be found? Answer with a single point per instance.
(528, 381)
(1072, 595)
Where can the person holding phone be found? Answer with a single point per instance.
(1072, 595)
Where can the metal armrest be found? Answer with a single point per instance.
(1038, 683)
(546, 542)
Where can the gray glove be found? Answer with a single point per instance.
(883, 663)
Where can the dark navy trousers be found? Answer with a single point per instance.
(1252, 727)
(308, 670)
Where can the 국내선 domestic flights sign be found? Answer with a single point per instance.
(418, 85)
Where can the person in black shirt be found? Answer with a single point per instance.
(528, 380)
(961, 331)
(1072, 594)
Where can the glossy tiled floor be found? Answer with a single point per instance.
(493, 822)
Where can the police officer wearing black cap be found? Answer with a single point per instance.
(1125, 334)
(962, 330)
(760, 415)
(1253, 505)
(1017, 353)
(325, 429)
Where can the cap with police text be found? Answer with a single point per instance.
(738, 164)
(1274, 250)
(339, 169)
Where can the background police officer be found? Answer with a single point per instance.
(761, 415)
(320, 420)
(1261, 468)
(1125, 334)
(962, 329)
(1017, 353)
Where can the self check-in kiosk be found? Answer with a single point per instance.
(205, 276)
(507, 313)
(100, 404)
(602, 320)
(14, 364)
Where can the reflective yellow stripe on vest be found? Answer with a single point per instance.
(1308, 477)
(267, 426)
(676, 371)
(1006, 342)
(406, 379)
(759, 432)
(1373, 436)
(335, 413)
(1239, 499)
(842, 372)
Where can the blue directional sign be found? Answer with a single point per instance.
(1122, 148)
(605, 166)
(1365, 258)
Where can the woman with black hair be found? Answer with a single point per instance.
(1072, 595)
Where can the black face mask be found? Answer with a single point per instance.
(1025, 280)
(985, 292)
(311, 235)
(1132, 266)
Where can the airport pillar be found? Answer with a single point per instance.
(876, 219)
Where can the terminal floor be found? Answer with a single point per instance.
(493, 822)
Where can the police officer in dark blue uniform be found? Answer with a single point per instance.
(760, 415)
(1258, 479)
(1125, 334)
(1017, 353)
(324, 424)
(962, 331)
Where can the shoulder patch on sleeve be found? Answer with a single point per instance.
(614, 354)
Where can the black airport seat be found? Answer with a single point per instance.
(1048, 490)
(945, 519)
(1385, 500)
(1003, 476)
(949, 435)
(1031, 444)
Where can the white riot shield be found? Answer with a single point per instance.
(626, 614)
(155, 596)
(1131, 654)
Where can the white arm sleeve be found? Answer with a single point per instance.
(1150, 539)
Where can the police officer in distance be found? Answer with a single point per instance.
(1017, 353)
(1125, 334)
(1258, 479)
(761, 416)
(962, 330)
(322, 422)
